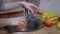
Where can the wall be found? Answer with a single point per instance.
(55, 6)
(51, 5)
(44, 5)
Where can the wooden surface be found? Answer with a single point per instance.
(12, 14)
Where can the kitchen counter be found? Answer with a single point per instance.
(44, 30)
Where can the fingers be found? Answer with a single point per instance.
(35, 8)
(29, 8)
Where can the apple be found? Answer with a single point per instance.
(48, 24)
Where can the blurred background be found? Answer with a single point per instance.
(44, 5)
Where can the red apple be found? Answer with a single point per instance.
(48, 23)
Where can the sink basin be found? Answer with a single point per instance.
(33, 24)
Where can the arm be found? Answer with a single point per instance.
(11, 5)
(27, 5)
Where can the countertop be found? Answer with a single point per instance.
(44, 30)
